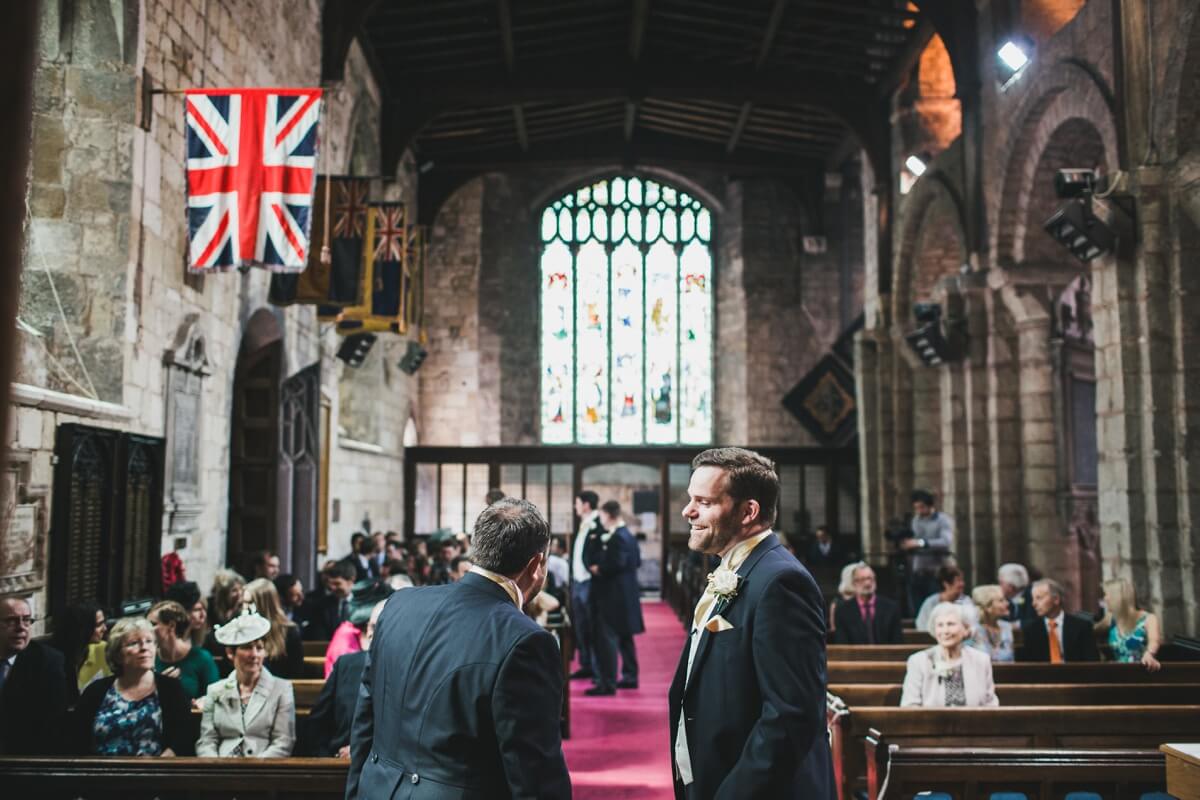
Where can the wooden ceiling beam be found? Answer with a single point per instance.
(631, 112)
(739, 126)
(519, 124)
(770, 32)
(637, 29)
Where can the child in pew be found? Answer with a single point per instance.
(1134, 635)
(949, 674)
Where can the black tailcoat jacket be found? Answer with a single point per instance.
(755, 702)
(615, 594)
(460, 700)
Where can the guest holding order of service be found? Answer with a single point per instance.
(250, 713)
(133, 712)
(949, 674)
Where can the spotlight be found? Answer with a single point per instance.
(1074, 182)
(354, 348)
(1076, 228)
(1012, 58)
(916, 165)
(411, 361)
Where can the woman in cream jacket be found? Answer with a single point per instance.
(949, 674)
(251, 713)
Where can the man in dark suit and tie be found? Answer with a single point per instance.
(328, 606)
(462, 691)
(866, 618)
(613, 558)
(33, 685)
(1054, 635)
(747, 704)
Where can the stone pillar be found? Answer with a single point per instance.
(873, 511)
(978, 517)
(1004, 430)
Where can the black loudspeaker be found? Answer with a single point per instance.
(354, 348)
(412, 359)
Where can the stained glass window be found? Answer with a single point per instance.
(626, 334)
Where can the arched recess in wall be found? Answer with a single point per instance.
(360, 388)
(932, 248)
(1044, 18)
(254, 440)
(937, 104)
(1067, 122)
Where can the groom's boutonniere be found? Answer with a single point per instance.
(724, 584)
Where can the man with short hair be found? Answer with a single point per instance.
(33, 685)
(459, 567)
(462, 690)
(616, 609)
(824, 550)
(1054, 635)
(748, 710)
(265, 565)
(954, 590)
(359, 558)
(587, 505)
(1014, 582)
(322, 611)
(866, 618)
(558, 567)
(930, 545)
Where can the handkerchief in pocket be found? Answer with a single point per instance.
(718, 624)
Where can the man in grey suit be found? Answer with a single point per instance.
(461, 693)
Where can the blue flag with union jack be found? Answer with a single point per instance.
(251, 170)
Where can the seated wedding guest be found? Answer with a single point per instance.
(178, 658)
(79, 635)
(1053, 635)
(285, 649)
(1014, 581)
(824, 551)
(949, 674)
(349, 636)
(291, 595)
(187, 594)
(264, 564)
(867, 618)
(328, 726)
(251, 713)
(459, 567)
(994, 633)
(328, 605)
(226, 598)
(1134, 635)
(845, 591)
(134, 712)
(954, 590)
(33, 685)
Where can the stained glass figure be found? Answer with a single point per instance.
(626, 331)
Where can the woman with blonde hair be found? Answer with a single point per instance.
(285, 650)
(226, 599)
(994, 633)
(1134, 635)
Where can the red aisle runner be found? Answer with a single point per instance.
(619, 746)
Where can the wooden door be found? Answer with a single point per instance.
(254, 452)
(299, 472)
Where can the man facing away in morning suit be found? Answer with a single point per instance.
(747, 704)
(462, 692)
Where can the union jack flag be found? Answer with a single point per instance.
(389, 233)
(251, 168)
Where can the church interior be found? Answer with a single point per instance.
(908, 250)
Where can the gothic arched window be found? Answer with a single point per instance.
(627, 316)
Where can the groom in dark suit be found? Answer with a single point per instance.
(747, 703)
(461, 692)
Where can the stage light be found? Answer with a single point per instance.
(916, 165)
(354, 349)
(1074, 182)
(1012, 58)
(412, 359)
(1076, 228)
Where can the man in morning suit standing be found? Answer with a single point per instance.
(462, 692)
(613, 559)
(587, 505)
(747, 703)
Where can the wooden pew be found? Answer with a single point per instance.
(893, 672)
(873, 652)
(901, 772)
(315, 648)
(914, 636)
(1042, 727)
(306, 691)
(314, 667)
(194, 778)
(1033, 694)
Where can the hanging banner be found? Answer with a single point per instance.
(384, 261)
(338, 283)
(251, 158)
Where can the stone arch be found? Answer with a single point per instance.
(1064, 91)
(933, 221)
(1177, 120)
(363, 155)
(575, 179)
(1074, 143)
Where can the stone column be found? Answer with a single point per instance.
(978, 517)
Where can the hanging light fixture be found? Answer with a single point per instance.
(1012, 57)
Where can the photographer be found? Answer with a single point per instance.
(931, 545)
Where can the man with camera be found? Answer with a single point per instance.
(931, 544)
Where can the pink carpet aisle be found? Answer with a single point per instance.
(619, 746)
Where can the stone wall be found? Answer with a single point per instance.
(480, 384)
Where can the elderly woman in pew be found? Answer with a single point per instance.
(134, 712)
(1134, 635)
(251, 713)
(949, 674)
(994, 633)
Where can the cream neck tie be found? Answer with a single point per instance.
(504, 582)
(732, 560)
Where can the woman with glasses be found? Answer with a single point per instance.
(135, 712)
(251, 713)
